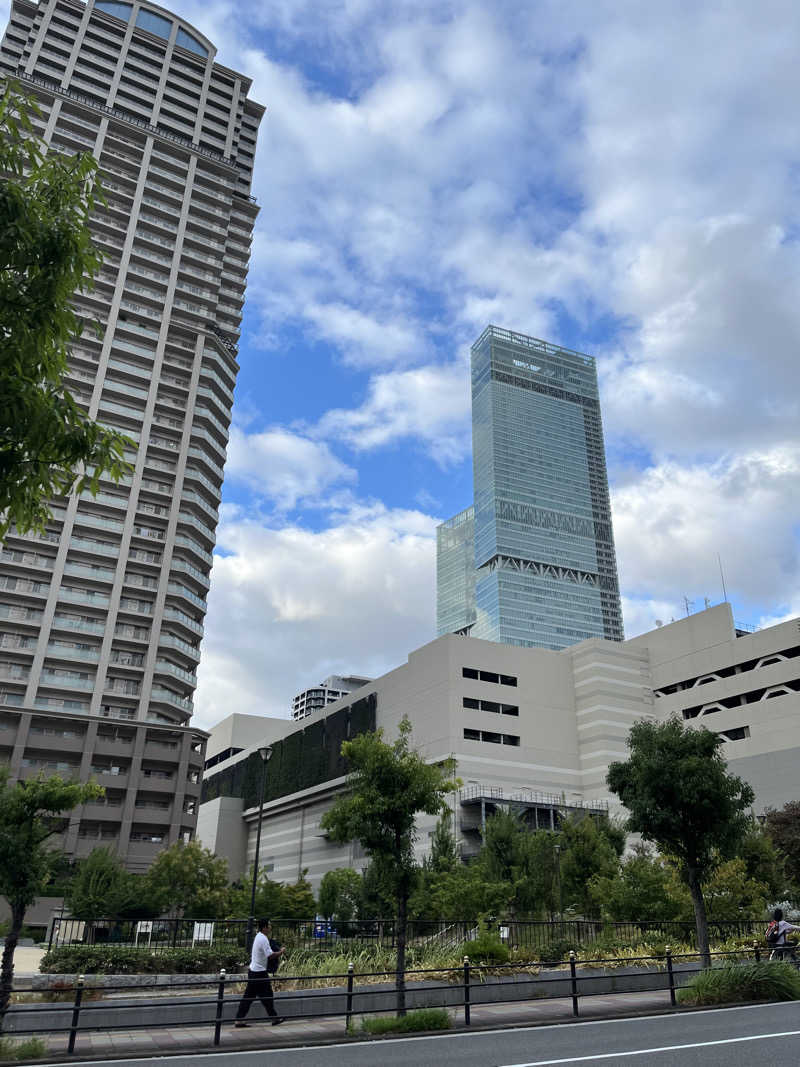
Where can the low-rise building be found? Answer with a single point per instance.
(532, 726)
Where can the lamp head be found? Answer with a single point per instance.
(265, 752)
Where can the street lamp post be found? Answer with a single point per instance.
(265, 752)
(557, 849)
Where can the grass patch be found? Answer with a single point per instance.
(31, 1049)
(422, 1019)
(735, 982)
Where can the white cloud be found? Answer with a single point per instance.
(430, 404)
(671, 523)
(283, 466)
(289, 606)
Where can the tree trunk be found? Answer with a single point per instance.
(402, 922)
(700, 918)
(7, 967)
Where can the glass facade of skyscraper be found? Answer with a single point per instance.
(455, 573)
(545, 570)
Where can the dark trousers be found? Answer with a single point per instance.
(259, 987)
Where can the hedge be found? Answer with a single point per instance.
(124, 959)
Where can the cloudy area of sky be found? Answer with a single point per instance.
(615, 177)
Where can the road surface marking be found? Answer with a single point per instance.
(650, 1051)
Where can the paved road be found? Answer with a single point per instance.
(733, 1037)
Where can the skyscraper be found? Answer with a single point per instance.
(101, 617)
(543, 570)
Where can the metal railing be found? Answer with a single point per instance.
(540, 938)
(461, 988)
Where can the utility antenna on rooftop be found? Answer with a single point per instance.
(689, 605)
(722, 576)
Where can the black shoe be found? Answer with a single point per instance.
(277, 1020)
(240, 1024)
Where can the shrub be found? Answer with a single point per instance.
(422, 1019)
(31, 1049)
(125, 959)
(734, 982)
(556, 950)
(485, 948)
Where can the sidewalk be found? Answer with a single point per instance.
(261, 1034)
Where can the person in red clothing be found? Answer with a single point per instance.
(259, 986)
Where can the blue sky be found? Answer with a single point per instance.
(616, 177)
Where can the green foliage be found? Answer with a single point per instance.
(388, 786)
(680, 796)
(783, 827)
(48, 447)
(587, 852)
(639, 889)
(556, 950)
(309, 756)
(29, 815)
(422, 1019)
(340, 894)
(485, 948)
(298, 899)
(127, 959)
(444, 852)
(733, 983)
(763, 862)
(462, 893)
(101, 887)
(32, 1048)
(187, 879)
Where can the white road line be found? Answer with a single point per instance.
(651, 1051)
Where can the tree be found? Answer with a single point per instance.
(29, 816)
(269, 896)
(783, 826)
(677, 789)
(763, 861)
(298, 900)
(102, 888)
(340, 893)
(388, 786)
(444, 851)
(639, 890)
(586, 852)
(189, 880)
(48, 447)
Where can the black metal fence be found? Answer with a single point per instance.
(160, 935)
(460, 989)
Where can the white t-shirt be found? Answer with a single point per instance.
(262, 950)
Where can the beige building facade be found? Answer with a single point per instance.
(540, 728)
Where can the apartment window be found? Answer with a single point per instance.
(149, 20)
(737, 733)
(114, 7)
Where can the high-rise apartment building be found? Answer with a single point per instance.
(532, 563)
(101, 617)
(327, 692)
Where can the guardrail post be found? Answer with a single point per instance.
(757, 951)
(574, 981)
(76, 1012)
(466, 992)
(349, 1013)
(220, 1005)
(671, 973)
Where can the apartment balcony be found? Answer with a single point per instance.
(171, 670)
(74, 655)
(176, 589)
(156, 784)
(83, 545)
(200, 454)
(61, 681)
(14, 672)
(27, 562)
(85, 570)
(167, 696)
(193, 474)
(23, 615)
(47, 743)
(24, 587)
(219, 406)
(186, 519)
(206, 373)
(124, 410)
(218, 448)
(85, 597)
(88, 518)
(103, 811)
(86, 626)
(184, 620)
(11, 700)
(195, 499)
(115, 775)
(129, 632)
(153, 810)
(105, 746)
(172, 642)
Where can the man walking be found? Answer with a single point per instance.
(258, 983)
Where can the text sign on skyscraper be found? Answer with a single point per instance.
(544, 569)
(102, 617)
